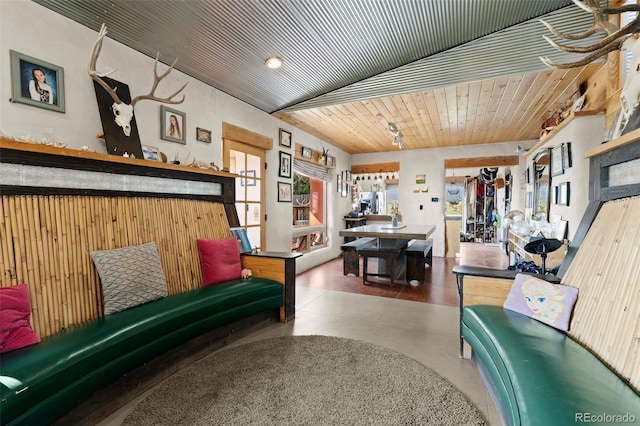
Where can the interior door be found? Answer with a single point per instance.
(248, 162)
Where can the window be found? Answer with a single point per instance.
(309, 213)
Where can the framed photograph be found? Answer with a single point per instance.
(203, 135)
(285, 138)
(566, 156)
(330, 161)
(421, 179)
(37, 83)
(565, 193)
(249, 174)
(284, 192)
(172, 125)
(349, 177)
(527, 175)
(556, 161)
(306, 152)
(150, 153)
(285, 165)
(339, 183)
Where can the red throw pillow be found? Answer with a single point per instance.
(15, 330)
(219, 260)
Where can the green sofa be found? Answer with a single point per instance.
(42, 382)
(540, 376)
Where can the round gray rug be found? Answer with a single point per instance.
(306, 380)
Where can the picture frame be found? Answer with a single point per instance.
(339, 183)
(527, 175)
(284, 192)
(556, 161)
(565, 193)
(203, 135)
(349, 176)
(329, 161)
(567, 161)
(306, 152)
(29, 73)
(285, 138)
(249, 174)
(172, 125)
(151, 153)
(285, 165)
(554, 194)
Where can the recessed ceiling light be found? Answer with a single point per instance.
(273, 62)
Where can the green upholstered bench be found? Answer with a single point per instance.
(540, 376)
(44, 381)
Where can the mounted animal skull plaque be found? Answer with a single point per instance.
(624, 38)
(122, 112)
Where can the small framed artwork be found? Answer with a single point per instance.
(306, 152)
(284, 192)
(565, 193)
(554, 194)
(329, 161)
(172, 125)
(527, 175)
(203, 135)
(339, 183)
(249, 174)
(37, 83)
(150, 153)
(285, 165)
(556, 161)
(566, 155)
(285, 138)
(421, 179)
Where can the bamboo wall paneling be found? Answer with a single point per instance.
(606, 270)
(46, 241)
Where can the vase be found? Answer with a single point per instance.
(394, 221)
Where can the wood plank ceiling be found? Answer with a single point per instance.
(447, 72)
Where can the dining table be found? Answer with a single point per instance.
(388, 247)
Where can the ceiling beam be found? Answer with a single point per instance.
(504, 160)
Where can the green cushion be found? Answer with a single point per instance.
(65, 368)
(542, 376)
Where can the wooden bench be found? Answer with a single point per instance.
(350, 257)
(418, 253)
(391, 259)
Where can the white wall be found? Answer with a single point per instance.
(69, 46)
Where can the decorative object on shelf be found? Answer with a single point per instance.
(617, 39)
(249, 174)
(394, 210)
(330, 161)
(285, 138)
(323, 158)
(566, 156)
(172, 125)
(122, 111)
(285, 165)
(557, 161)
(563, 197)
(203, 135)
(150, 153)
(284, 192)
(37, 83)
(306, 152)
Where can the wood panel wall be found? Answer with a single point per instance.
(606, 270)
(45, 242)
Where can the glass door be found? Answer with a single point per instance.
(248, 162)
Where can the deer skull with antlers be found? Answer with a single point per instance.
(616, 39)
(124, 113)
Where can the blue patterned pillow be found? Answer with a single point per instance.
(130, 276)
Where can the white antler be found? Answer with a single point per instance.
(156, 81)
(614, 40)
(95, 75)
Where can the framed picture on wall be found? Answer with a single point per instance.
(172, 125)
(36, 82)
(306, 152)
(284, 192)
(285, 138)
(556, 161)
(285, 165)
(565, 193)
(203, 135)
(566, 155)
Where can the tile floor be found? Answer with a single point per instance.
(424, 330)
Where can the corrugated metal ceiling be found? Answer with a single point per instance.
(335, 51)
